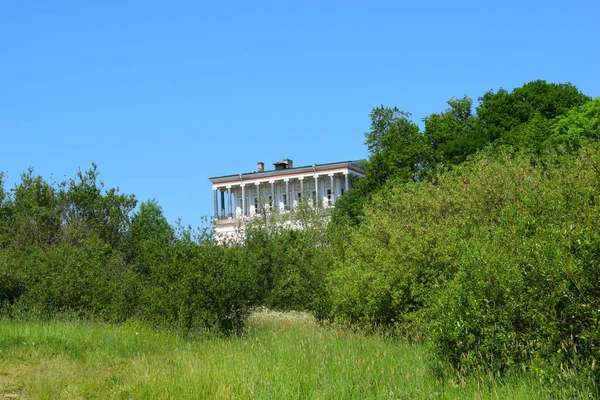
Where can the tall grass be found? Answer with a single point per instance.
(283, 356)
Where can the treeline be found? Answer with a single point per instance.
(76, 249)
(79, 250)
(478, 234)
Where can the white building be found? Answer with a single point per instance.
(240, 197)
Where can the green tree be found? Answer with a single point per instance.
(87, 209)
(396, 147)
(397, 151)
(580, 123)
(34, 212)
(530, 135)
(501, 112)
(455, 133)
(348, 209)
(4, 208)
(150, 237)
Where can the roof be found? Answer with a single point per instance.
(356, 166)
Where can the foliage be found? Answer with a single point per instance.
(454, 134)
(406, 247)
(572, 129)
(348, 210)
(501, 112)
(80, 250)
(292, 261)
(397, 151)
(528, 291)
(149, 238)
(32, 212)
(106, 215)
(202, 287)
(495, 261)
(396, 146)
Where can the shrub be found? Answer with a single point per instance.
(292, 263)
(495, 261)
(408, 245)
(201, 287)
(528, 291)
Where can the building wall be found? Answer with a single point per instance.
(273, 194)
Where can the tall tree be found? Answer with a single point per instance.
(501, 112)
(396, 146)
(3, 210)
(34, 212)
(106, 215)
(397, 151)
(576, 125)
(455, 133)
(150, 237)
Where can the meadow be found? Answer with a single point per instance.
(472, 248)
(281, 355)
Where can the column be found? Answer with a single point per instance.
(316, 199)
(222, 204)
(332, 189)
(287, 194)
(243, 185)
(257, 197)
(272, 204)
(301, 198)
(216, 200)
(229, 210)
(347, 186)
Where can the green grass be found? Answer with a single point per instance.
(282, 356)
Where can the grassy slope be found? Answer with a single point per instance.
(282, 356)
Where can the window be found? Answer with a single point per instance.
(329, 194)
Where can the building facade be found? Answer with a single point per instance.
(240, 197)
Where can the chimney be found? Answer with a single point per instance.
(283, 164)
(260, 166)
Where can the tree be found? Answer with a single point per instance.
(87, 209)
(3, 210)
(397, 151)
(576, 125)
(150, 236)
(396, 145)
(455, 133)
(501, 112)
(530, 135)
(34, 213)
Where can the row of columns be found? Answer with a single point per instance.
(220, 213)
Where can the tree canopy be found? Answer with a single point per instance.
(525, 118)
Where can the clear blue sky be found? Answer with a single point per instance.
(163, 95)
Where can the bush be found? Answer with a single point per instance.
(74, 249)
(408, 245)
(528, 291)
(292, 263)
(202, 287)
(495, 261)
(72, 280)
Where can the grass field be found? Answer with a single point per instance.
(282, 356)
